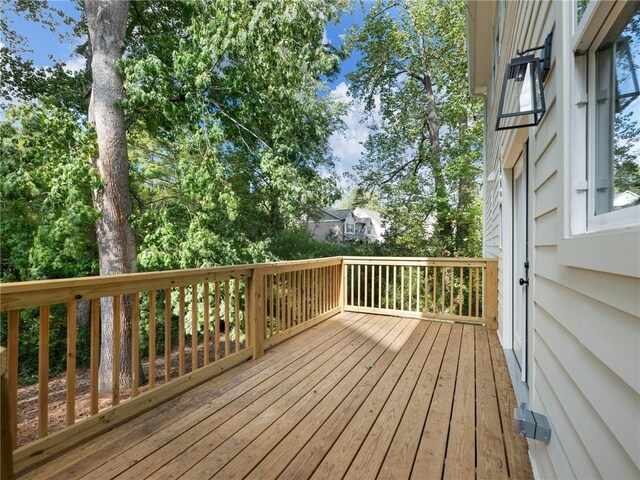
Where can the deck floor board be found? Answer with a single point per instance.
(358, 396)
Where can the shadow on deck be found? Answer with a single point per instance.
(357, 396)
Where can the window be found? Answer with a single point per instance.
(369, 229)
(606, 168)
(350, 228)
(617, 117)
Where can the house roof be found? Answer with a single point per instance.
(625, 199)
(480, 43)
(335, 213)
(375, 218)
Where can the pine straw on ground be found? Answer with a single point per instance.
(57, 411)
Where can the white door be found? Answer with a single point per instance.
(520, 263)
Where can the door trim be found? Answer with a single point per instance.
(522, 163)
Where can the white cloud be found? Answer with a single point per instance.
(348, 146)
(325, 38)
(76, 64)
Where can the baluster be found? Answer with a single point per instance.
(135, 344)
(216, 322)
(12, 370)
(478, 292)
(43, 373)
(181, 317)
(194, 327)
(115, 379)
(72, 316)
(167, 335)
(95, 353)
(443, 273)
(236, 312)
(227, 323)
(402, 287)
(152, 339)
(206, 320)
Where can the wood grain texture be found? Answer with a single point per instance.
(491, 461)
(72, 330)
(360, 396)
(91, 455)
(6, 456)
(135, 346)
(43, 373)
(461, 446)
(95, 353)
(152, 339)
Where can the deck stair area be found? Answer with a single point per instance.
(311, 378)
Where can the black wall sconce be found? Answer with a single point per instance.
(522, 96)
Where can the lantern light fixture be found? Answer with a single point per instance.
(522, 96)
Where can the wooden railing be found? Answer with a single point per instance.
(190, 325)
(298, 295)
(455, 289)
(6, 457)
(196, 325)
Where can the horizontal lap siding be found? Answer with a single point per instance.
(586, 328)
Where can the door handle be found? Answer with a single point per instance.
(523, 281)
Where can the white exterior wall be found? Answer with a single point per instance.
(584, 310)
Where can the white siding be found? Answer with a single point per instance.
(584, 324)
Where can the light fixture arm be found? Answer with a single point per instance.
(528, 50)
(545, 55)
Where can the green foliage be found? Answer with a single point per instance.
(45, 185)
(231, 138)
(423, 158)
(228, 144)
(228, 140)
(361, 198)
(299, 244)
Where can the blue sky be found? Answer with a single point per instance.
(46, 47)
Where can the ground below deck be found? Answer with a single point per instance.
(358, 396)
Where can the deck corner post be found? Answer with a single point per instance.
(257, 312)
(491, 294)
(342, 285)
(6, 453)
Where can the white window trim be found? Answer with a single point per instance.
(596, 14)
(607, 242)
(626, 217)
(596, 23)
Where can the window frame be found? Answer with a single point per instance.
(350, 227)
(597, 22)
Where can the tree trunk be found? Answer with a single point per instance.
(434, 160)
(107, 24)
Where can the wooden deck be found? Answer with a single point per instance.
(358, 396)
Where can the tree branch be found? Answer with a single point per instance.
(396, 172)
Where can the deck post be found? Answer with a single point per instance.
(256, 305)
(6, 453)
(342, 285)
(491, 294)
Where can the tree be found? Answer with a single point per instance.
(422, 157)
(221, 121)
(231, 103)
(107, 25)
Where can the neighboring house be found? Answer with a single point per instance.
(568, 244)
(625, 199)
(347, 225)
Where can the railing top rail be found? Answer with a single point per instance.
(418, 261)
(295, 265)
(49, 292)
